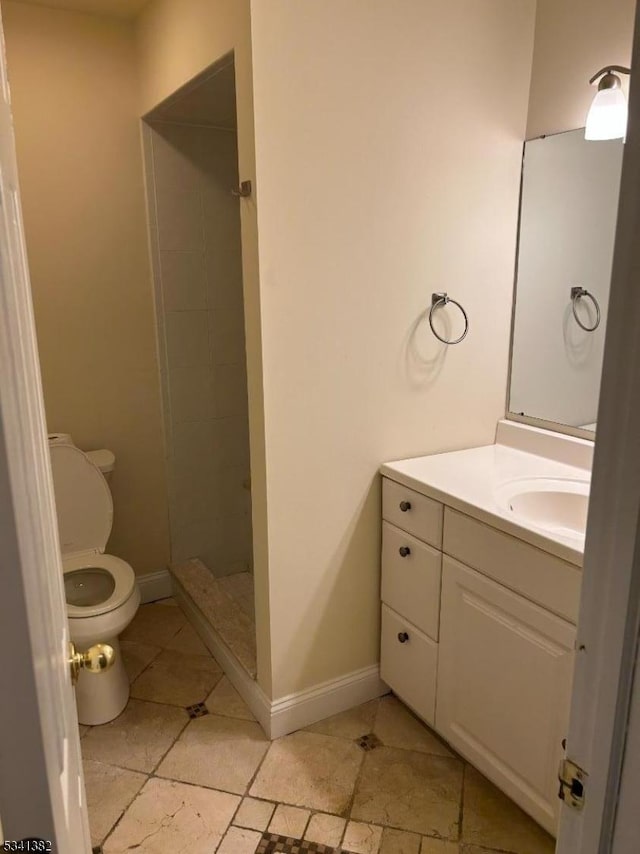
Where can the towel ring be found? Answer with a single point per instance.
(576, 294)
(443, 299)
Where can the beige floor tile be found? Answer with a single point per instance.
(362, 838)
(83, 729)
(171, 602)
(440, 846)
(224, 614)
(138, 738)
(225, 700)
(325, 829)
(239, 841)
(399, 842)
(188, 640)
(154, 624)
(492, 820)
(410, 791)
(396, 726)
(254, 814)
(136, 656)
(167, 817)
(310, 770)
(240, 587)
(177, 679)
(110, 790)
(289, 821)
(350, 724)
(223, 753)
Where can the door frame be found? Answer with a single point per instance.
(610, 602)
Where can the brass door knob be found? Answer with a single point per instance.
(96, 659)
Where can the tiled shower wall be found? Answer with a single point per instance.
(195, 224)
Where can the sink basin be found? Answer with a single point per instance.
(556, 505)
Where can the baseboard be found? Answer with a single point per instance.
(295, 711)
(304, 708)
(155, 585)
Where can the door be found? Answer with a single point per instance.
(605, 697)
(504, 682)
(41, 784)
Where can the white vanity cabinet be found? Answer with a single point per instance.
(478, 632)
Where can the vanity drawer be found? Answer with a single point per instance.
(411, 573)
(412, 512)
(409, 666)
(537, 575)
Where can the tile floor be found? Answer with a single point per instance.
(373, 780)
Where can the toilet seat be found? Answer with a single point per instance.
(123, 577)
(85, 516)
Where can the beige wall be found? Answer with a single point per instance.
(177, 40)
(388, 166)
(573, 40)
(73, 85)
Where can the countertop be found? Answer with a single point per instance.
(467, 481)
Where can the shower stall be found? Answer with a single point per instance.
(191, 165)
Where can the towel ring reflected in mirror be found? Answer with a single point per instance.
(442, 299)
(577, 294)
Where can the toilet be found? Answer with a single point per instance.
(101, 590)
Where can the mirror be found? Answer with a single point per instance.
(568, 211)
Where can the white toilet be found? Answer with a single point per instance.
(101, 591)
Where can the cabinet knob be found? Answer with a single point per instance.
(405, 551)
(405, 505)
(403, 637)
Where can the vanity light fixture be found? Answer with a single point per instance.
(607, 117)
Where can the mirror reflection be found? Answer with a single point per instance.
(568, 213)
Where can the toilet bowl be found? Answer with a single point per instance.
(101, 591)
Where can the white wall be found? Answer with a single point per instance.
(567, 230)
(196, 237)
(388, 166)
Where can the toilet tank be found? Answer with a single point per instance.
(104, 459)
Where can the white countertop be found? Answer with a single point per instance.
(467, 481)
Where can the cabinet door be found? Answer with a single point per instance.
(504, 685)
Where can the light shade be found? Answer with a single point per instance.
(607, 118)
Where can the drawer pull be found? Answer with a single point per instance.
(403, 637)
(405, 551)
(405, 505)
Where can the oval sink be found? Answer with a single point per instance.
(557, 505)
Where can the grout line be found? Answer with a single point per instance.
(356, 785)
(125, 810)
(461, 811)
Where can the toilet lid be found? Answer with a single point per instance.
(83, 501)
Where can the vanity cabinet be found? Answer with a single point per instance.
(478, 639)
